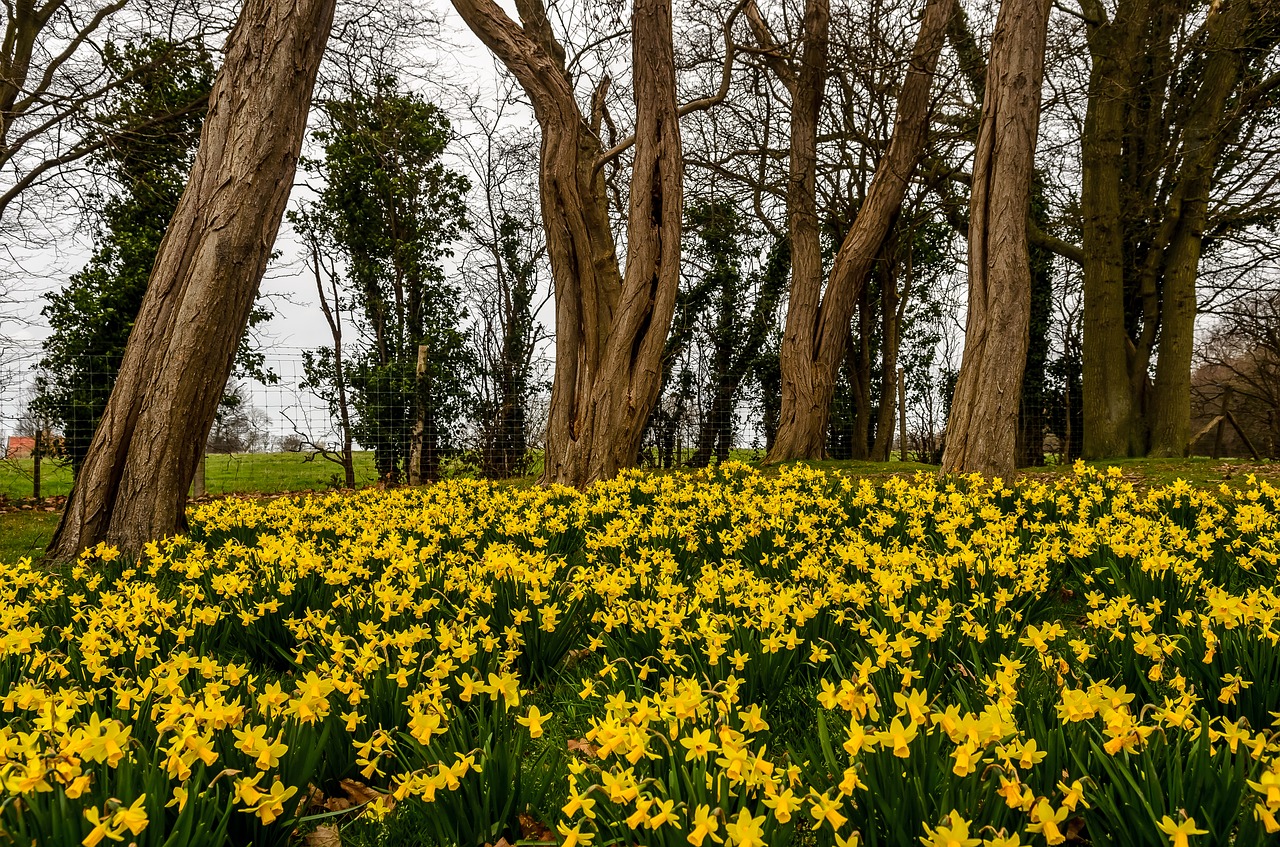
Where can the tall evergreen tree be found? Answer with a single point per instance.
(1032, 414)
(503, 416)
(391, 208)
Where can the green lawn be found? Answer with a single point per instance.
(235, 473)
(1197, 470)
(25, 533)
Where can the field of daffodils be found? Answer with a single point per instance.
(726, 658)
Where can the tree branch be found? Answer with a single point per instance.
(769, 49)
(726, 72)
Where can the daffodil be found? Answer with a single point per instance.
(1179, 832)
(534, 721)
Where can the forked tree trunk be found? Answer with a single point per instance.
(133, 485)
(982, 428)
(610, 330)
(1170, 407)
(1159, 118)
(817, 327)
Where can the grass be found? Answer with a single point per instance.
(26, 532)
(1198, 470)
(231, 473)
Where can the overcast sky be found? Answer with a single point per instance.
(458, 62)
(455, 64)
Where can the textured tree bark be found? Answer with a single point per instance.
(631, 369)
(817, 327)
(1159, 120)
(610, 330)
(580, 245)
(982, 428)
(133, 485)
(1170, 407)
(806, 86)
(890, 340)
(1109, 413)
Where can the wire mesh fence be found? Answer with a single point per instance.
(287, 428)
(293, 421)
(274, 435)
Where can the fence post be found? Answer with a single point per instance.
(35, 470)
(420, 423)
(902, 414)
(198, 484)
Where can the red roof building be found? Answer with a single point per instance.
(19, 447)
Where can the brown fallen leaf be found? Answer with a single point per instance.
(577, 745)
(531, 829)
(337, 804)
(324, 836)
(315, 797)
(359, 794)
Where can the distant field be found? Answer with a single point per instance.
(25, 534)
(235, 473)
(276, 473)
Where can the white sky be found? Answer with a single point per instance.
(455, 64)
(460, 62)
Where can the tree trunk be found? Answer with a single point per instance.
(858, 363)
(610, 330)
(890, 331)
(1170, 407)
(813, 342)
(1109, 425)
(1155, 133)
(333, 317)
(133, 485)
(627, 385)
(806, 88)
(982, 428)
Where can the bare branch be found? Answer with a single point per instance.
(726, 74)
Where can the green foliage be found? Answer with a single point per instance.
(1032, 415)
(725, 317)
(503, 416)
(152, 127)
(391, 208)
(921, 257)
